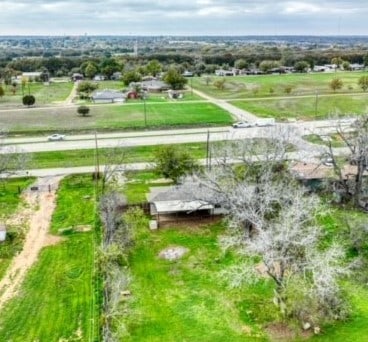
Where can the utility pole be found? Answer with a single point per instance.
(145, 110)
(97, 165)
(316, 105)
(208, 161)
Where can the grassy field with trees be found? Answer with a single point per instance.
(56, 299)
(254, 86)
(196, 299)
(72, 158)
(113, 117)
(309, 108)
(44, 94)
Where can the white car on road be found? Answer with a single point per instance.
(56, 137)
(265, 122)
(242, 124)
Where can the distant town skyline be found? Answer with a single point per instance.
(200, 17)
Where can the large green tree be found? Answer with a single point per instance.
(28, 100)
(336, 84)
(268, 65)
(301, 66)
(174, 162)
(175, 79)
(91, 70)
(131, 76)
(86, 88)
(154, 67)
(109, 66)
(363, 82)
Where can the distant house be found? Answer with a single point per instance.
(107, 96)
(222, 72)
(77, 77)
(152, 86)
(322, 68)
(187, 73)
(2, 232)
(311, 175)
(116, 76)
(31, 76)
(99, 78)
(356, 67)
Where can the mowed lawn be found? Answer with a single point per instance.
(188, 300)
(307, 107)
(44, 94)
(254, 86)
(87, 157)
(110, 117)
(55, 302)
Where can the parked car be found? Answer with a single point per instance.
(265, 122)
(56, 137)
(242, 124)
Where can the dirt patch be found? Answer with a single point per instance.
(83, 228)
(192, 223)
(36, 215)
(51, 240)
(281, 332)
(173, 253)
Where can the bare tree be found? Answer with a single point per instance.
(114, 160)
(271, 217)
(352, 185)
(11, 158)
(117, 239)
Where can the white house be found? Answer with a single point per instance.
(107, 96)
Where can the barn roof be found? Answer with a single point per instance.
(175, 199)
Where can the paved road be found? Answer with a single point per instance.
(308, 156)
(87, 141)
(237, 113)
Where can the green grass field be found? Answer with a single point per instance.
(73, 158)
(55, 302)
(308, 107)
(53, 93)
(10, 200)
(113, 117)
(196, 304)
(9, 195)
(274, 85)
(186, 300)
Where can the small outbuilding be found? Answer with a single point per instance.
(174, 204)
(2, 232)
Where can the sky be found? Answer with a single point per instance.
(183, 17)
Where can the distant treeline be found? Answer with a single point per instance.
(196, 59)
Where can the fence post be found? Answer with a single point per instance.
(49, 188)
(19, 191)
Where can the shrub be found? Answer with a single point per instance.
(28, 100)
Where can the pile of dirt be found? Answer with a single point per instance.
(173, 253)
